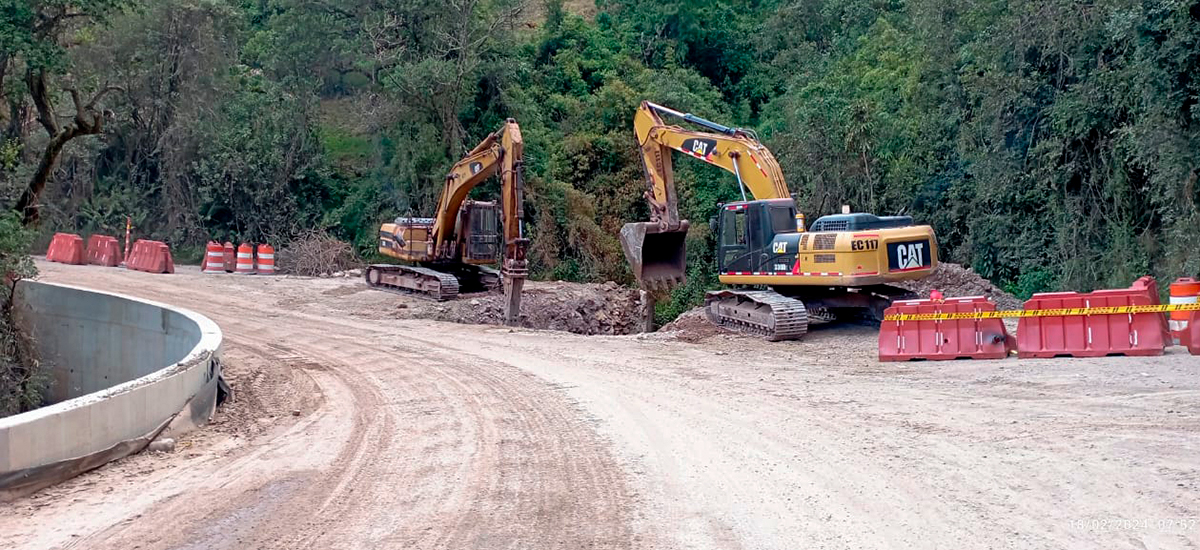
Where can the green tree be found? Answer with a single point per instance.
(35, 35)
(21, 382)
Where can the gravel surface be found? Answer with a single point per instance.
(359, 429)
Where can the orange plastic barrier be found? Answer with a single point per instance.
(265, 259)
(151, 257)
(103, 250)
(943, 339)
(230, 257)
(66, 248)
(1184, 290)
(245, 259)
(214, 258)
(1094, 335)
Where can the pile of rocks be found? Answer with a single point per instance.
(582, 308)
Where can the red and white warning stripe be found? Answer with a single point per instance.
(783, 273)
(695, 154)
(760, 168)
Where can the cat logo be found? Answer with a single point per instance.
(779, 247)
(908, 256)
(699, 148)
(476, 167)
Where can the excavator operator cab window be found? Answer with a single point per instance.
(733, 227)
(783, 219)
(733, 237)
(483, 236)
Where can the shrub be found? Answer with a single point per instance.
(317, 253)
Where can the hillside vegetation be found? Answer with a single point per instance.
(1051, 143)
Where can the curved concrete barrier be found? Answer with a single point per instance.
(124, 372)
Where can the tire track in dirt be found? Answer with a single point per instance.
(455, 436)
(410, 447)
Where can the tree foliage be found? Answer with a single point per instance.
(1051, 143)
(22, 382)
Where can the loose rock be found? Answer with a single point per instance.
(162, 445)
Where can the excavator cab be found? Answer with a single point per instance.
(746, 234)
(657, 255)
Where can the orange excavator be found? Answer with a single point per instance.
(453, 249)
(786, 275)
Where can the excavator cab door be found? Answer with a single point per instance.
(746, 230)
(482, 235)
(734, 241)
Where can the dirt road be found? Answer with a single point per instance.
(356, 430)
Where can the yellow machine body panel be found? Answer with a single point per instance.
(410, 242)
(844, 259)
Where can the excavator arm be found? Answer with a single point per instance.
(655, 250)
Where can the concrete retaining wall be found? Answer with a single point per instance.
(124, 371)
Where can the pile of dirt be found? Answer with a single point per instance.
(582, 308)
(693, 326)
(955, 281)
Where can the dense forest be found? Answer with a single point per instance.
(1051, 143)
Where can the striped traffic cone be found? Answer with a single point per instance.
(230, 257)
(245, 260)
(214, 258)
(265, 260)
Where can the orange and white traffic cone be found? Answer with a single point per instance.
(214, 258)
(266, 259)
(245, 260)
(1184, 290)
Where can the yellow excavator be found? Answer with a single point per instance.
(786, 275)
(452, 250)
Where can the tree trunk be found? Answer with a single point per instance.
(88, 120)
(28, 204)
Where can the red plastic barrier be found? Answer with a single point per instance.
(103, 250)
(151, 257)
(1191, 335)
(66, 248)
(230, 257)
(945, 339)
(1094, 335)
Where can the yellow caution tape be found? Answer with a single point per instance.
(1116, 310)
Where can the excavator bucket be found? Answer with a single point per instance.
(658, 257)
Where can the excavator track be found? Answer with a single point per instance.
(490, 277)
(762, 312)
(413, 280)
